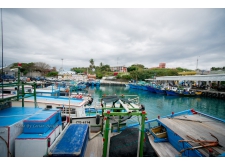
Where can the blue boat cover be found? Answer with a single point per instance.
(42, 122)
(57, 99)
(45, 135)
(10, 116)
(73, 142)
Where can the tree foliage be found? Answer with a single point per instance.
(217, 68)
(31, 67)
(52, 74)
(135, 67)
(105, 68)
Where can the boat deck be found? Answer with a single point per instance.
(163, 149)
(198, 127)
(57, 100)
(94, 146)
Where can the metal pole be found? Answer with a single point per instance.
(106, 135)
(69, 104)
(22, 95)
(2, 52)
(18, 85)
(142, 139)
(35, 96)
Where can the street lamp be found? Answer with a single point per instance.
(197, 63)
(62, 64)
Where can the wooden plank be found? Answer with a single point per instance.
(163, 149)
(94, 147)
(188, 125)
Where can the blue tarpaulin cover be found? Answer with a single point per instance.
(73, 142)
(10, 116)
(41, 122)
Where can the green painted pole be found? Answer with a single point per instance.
(35, 96)
(142, 139)
(106, 134)
(137, 109)
(22, 95)
(18, 85)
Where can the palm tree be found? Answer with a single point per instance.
(92, 65)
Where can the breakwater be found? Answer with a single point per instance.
(113, 83)
(212, 93)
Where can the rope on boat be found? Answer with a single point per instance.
(186, 120)
(6, 145)
(95, 135)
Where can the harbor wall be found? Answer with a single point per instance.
(113, 83)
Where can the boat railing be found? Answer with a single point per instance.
(133, 98)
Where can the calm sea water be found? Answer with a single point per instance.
(161, 105)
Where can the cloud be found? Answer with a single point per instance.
(115, 36)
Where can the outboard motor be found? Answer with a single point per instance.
(90, 101)
(142, 108)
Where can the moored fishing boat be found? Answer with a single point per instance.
(187, 133)
(80, 110)
(173, 93)
(160, 90)
(189, 93)
(151, 89)
(126, 108)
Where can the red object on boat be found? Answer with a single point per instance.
(193, 111)
(49, 142)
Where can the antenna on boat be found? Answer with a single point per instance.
(69, 105)
(2, 51)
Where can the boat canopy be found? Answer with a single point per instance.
(214, 77)
(109, 99)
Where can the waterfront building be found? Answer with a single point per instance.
(118, 69)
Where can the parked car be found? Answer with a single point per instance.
(32, 78)
(7, 78)
(23, 79)
(42, 78)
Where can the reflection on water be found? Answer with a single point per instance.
(161, 105)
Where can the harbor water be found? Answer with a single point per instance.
(161, 105)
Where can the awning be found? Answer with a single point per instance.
(212, 77)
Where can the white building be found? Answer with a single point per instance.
(118, 69)
(66, 75)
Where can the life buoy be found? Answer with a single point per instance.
(97, 119)
(209, 94)
(214, 94)
(80, 96)
(222, 96)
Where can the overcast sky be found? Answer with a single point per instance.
(115, 36)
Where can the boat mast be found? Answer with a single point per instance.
(2, 51)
